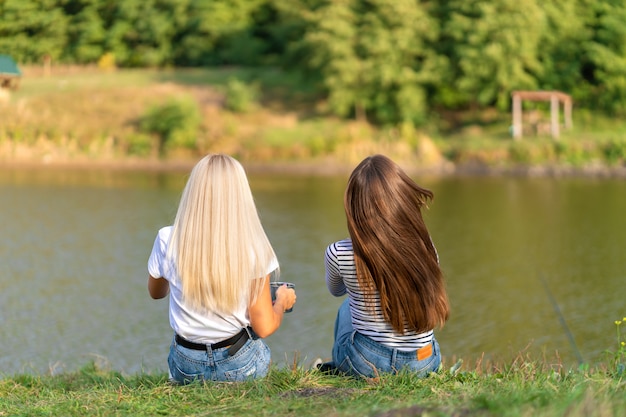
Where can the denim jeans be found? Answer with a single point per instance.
(188, 365)
(358, 355)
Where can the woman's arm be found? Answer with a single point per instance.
(158, 287)
(334, 280)
(265, 318)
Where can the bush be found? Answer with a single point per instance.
(139, 144)
(615, 151)
(241, 97)
(175, 123)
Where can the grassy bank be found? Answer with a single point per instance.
(523, 388)
(86, 115)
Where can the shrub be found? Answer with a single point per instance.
(175, 123)
(139, 144)
(614, 151)
(241, 97)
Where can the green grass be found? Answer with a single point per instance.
(524, 387)
(520, 389)
(68, 83)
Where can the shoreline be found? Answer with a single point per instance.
(326, 167)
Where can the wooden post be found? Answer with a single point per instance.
(47, 60)
(554, 116)
(568, 113)
(517, 117)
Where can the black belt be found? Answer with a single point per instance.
(235, 342)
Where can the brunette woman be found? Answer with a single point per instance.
(389, 269)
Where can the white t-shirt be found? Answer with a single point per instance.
(199, 327)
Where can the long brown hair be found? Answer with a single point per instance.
(393, 251)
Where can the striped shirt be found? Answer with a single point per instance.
(341, 279)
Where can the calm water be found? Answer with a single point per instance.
(75, 244)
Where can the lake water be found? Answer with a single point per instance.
(533, 265)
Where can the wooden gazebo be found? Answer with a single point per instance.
(10, 74)
(554, 97)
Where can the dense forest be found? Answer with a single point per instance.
(386, 61)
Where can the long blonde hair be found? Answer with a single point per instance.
(393, 251)
(217, 241)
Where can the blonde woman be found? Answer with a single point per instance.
(215, 262)
(389, 269)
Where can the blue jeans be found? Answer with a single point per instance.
(188, 365)
(358, 355)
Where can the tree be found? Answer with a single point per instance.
(495, 47)
(561, 51)
(32, 29)
(220, 32)
(86, 33)
(374, 57)
(140, 33)
(606, 51)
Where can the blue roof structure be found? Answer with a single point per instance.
(8, 67)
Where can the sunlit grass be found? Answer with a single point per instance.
(67, 81)
(88, 113)
(521, 388)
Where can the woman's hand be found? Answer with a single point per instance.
(265, 317)
(286, 297)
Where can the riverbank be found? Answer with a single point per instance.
(523, 388)
(322, 167)
(90, 118)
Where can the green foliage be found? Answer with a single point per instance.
(174, 122)
(241, 97)
(577, 153)
(139, 144)
(560, 53)
(385, 61)
(614, 151)
(141, 33)
(606, 52)
(32, 29)
(495, 47)
(86, 34)
(219, 32)
(374, 57)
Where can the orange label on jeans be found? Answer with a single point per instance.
(425, 352)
